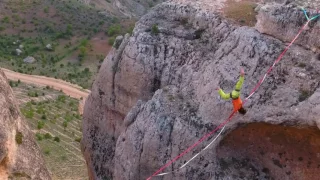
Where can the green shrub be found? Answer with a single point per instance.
(19, 137)
(62, 98)
(2, 28)
(78, 139)
(57, 139)
(155, 29)
(44, 117)
(33, 94)
(114, 30)
(6, 19)
(84, 42)
(40, 124)
(47, 136)
(111, 40)
(83, 52)
(47, 152)
(69, 30)
(71, 103)
(29, 113)
(39, 136)
(11, 83)
(65, 124)
(46, 9)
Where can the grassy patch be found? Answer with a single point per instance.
(242, 12)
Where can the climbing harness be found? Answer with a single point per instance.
(223, 124)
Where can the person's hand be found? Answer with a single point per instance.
(241, 72)
(218, 88)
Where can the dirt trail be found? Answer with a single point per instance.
(72, 90)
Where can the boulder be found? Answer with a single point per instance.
(29, 60)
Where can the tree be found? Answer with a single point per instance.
(47, 136)
(40, 124)
(65, 124)
(69, 29)
(46, 9)
(57, 139)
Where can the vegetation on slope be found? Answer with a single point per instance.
(68, 39)
(55, 120)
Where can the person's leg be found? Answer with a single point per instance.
(242, 111)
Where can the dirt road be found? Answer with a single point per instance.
(72, 90)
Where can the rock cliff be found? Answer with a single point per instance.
(155, 96)
(20, 157)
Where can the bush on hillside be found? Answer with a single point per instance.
(114, 30)
(47, 136)
(57, 139)
(155, 29)
(40, 124)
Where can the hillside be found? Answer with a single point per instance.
(56, 123)
(67, 39)
(156, 95)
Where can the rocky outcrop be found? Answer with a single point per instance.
(20, 157)
(155, 95)
(284, 22)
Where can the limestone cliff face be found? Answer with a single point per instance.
(155, 96)
(20, 157)
(285, 26)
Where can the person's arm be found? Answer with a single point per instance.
(224, 95)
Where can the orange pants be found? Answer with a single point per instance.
(237, 104)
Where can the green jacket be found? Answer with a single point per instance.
(235, 93)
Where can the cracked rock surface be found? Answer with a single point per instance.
(20, 156)
(155, 95)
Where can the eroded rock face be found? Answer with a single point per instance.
(155, 96)
(20, 157)
(263, 151)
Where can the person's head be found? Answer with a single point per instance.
(242, 111)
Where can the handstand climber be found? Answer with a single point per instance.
(235, 95)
